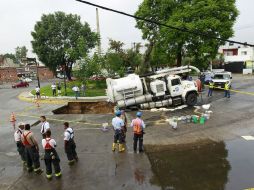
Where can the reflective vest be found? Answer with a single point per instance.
(25, 142)
(137, 128)
(226, 86)
(48, 146)
(211, 85)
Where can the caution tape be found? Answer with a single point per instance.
(237, 91)
(60, 120)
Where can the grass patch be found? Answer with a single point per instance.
(93, 88)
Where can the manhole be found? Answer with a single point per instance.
(85, 108)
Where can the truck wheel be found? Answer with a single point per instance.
(191, 99)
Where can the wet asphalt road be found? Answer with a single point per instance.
(223, 161)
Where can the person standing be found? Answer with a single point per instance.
(44, 126)
(69, 144)
(138, 126)
(31, 151)
(53, 87)
(38, 92)
(124, 129)
(83, 89)
(20, 146)
(76, 91)
(226, 89)
(211, 87)
(59, 87)
(51, 157)
(118, 126)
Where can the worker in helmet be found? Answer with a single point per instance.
(118, 126)
(211, 87)
(138, 126)
(226, 89)
(124, 129)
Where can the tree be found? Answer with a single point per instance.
(20, 52)
(90, 65)
(60, 39)
(116, 46)
(11, 56)
(213, 18)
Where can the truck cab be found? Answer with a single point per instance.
(221, 78)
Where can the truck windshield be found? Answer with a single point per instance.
(221, 77)
(175, 82)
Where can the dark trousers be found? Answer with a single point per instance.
(138, 138)
(227, 93)
(118, 137)
(54, 92)
(76, 94)
(70, 150)
(50, 160)
(210, 92)
(21, 151)
(32, 157)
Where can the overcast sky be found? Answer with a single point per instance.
(18, 17)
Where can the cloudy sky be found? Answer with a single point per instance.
(18, 17)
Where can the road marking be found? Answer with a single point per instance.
(248, 138)
(237, 91)
(60, 120)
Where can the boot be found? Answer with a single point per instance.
(121, 148)
(114, 147)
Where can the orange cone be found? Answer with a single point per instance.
(12, 118)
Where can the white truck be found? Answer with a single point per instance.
(160, 89)
(220, 78)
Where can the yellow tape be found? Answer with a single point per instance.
(237, 91)
(51, 119)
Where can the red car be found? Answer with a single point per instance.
(20, 84)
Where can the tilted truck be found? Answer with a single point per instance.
(162, 88)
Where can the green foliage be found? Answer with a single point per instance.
(60, 39)
(11, 56)
(20, 52)
(90, 65)
(214, 18)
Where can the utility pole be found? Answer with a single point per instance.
(37, 73)
(98, 32)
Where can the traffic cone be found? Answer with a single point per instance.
(13, 120)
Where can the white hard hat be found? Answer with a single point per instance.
(21, 123)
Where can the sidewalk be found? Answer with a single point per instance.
(28, 97)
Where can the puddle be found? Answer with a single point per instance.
(85, 108)
(206, 165)
(192, 167)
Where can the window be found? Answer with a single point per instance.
(175, 82)
(244, 53)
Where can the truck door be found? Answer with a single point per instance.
(176, 88)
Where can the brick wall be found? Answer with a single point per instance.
(8, 74)
(45, 73)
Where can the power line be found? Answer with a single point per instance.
(165, 25)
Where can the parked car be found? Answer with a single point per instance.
(27, 80)
(97, 77)
(20, 84)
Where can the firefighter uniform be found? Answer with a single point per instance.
(124, 129)
(31, 152)
(118, 126)
(20, 146)
(70, 145)
(51, 157)
(44, 128)
(138, 126)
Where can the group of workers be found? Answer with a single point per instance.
(226, 88)
(119, 123)
(28, 148)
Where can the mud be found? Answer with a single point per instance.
(85, 108)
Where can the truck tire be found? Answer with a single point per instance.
(191, 99)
